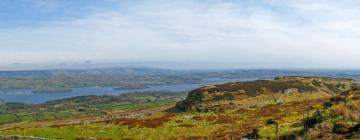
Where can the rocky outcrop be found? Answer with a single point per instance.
(210, 98)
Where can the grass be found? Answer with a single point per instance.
(129, 105)
(7, 118)
(231, 123)
(97, 130)
(170, 129)
(68, 109)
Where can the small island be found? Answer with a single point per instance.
(48, 91)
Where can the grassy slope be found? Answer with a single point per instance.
(232, 123)
(153, 120)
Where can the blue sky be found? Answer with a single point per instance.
(203, 33)
(15, 13)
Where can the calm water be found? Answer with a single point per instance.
(26, 95)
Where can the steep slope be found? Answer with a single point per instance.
(263, 92)
(337, 119)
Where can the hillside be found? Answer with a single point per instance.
(262, 92)
(284, 108)
(336, 119)
(339, 118)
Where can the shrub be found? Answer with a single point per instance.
(347, 113)
(254, 134)
(355, 105)
(327, 105)
(355, 117)
(343, 111)
(342, 128)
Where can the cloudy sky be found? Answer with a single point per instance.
(203, 33)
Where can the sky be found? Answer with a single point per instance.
(180, 33)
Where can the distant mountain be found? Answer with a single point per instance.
(145, 76)
(78, 72)
(210, 73)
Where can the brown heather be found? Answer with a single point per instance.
(347, 113)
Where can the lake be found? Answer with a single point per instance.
(26, 95)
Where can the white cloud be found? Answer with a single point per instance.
(293, 34)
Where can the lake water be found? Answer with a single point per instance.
(26, 95)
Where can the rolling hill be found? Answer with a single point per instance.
(263, 92)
